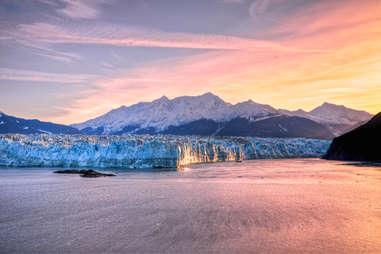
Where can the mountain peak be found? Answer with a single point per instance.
(209, 94)
(339, 114)
(121, 108)
(331, 105)
(163, 98)
(335, 107)
(210, 97)
(375, 120)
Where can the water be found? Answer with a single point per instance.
(261, 206)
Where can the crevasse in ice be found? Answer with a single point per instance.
(146, 151)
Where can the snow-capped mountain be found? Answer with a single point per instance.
(208, 114)
(337, 118)
(252, 110)
(339, 114)
(11, 124)
(162, 113)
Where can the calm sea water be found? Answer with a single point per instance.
(261, 206)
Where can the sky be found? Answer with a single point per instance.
(67, 61)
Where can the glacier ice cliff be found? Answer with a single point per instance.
(146, 151)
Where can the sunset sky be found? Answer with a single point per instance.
(67, 61)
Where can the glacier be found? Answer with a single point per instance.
(146, 151)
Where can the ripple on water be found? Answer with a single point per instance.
(294, 205)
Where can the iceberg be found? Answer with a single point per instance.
(146, 151)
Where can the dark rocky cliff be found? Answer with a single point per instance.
(360, 144)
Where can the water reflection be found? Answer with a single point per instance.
(261, 206)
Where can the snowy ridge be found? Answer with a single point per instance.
(329, 113)
(162, 113)
(159, 115)
(11, 124)
(145, 151)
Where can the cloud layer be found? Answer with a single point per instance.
(36, 76)
(105, 34)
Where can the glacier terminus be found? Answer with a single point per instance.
(146, 151)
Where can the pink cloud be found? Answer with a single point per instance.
(124, 36)
(24, 75)
(81, 9)
(258, 7)
(47, 51)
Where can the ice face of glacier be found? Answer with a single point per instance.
(145, 151)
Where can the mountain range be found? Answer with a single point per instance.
(11, 124)
(208, 114)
